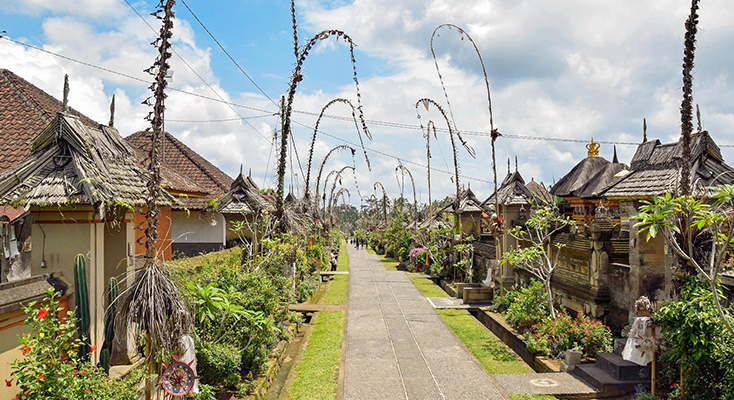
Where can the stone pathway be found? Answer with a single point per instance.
(398, 347)
(553, 383)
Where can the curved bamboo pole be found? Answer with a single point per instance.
(323, 163)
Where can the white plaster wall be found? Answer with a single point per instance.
(197, 228)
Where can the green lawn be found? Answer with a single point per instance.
(428, 288)
(342, 263)
(532, 397)
(487, 348)
(336, 294)
(316, 374)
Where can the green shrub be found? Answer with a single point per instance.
(503, 302)
(552, 337)
(206, 392)
(530, 306)
(218, 364)
(402, 254)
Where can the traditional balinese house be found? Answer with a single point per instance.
(243, 202)
(656, 170)
(197, 184)
(470, 213)
(580, 186)
(70, 185)
(515, 200)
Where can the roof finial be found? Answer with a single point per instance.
(515, 163)
(644, 130)
(112, 111)
(65, 104)
(508, 166)
(249, 173)
(698, 117)
(615, 160)
(593, 148)
(240, 169)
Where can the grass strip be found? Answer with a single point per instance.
(316, 374)
(428, 288)
(486, 347)
(336, 294)
(342, 263)
(532, 397)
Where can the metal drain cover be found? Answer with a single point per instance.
(543, 382)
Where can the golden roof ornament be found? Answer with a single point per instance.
(593, 148)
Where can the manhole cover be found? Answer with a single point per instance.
(543, 382)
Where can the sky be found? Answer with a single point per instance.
(562, 72)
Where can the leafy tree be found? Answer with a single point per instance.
(693, 219)
(538, 258)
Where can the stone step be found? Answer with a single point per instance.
(607, 384)
(621, 369)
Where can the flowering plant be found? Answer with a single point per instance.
(553, 336)
(48, 367)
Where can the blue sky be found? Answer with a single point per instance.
(570, 69)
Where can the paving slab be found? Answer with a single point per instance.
(398, 347)
(552, 383)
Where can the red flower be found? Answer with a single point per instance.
(93, 348)
(88, 391)
(75, 371)
(25, 349)
(42, 313)
(41, 377)
(84, 372)
(8, 383)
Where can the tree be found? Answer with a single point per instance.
(538, 258)
(708, 230)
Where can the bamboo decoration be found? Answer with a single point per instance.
(152, 303)
(316, 129)
(686, 106)
(402, 168)
(297, 76)
(426, 102)
(384, 199)
(323, 163)
(495, 134)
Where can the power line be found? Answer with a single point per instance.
(227, 53)
(219, 120)
(196, 73)
(334, 117)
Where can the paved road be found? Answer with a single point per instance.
(398, 347)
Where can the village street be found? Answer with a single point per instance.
(397, 346)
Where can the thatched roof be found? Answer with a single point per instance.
(656, 169)
(25, 111)
(579, 176)
(244, 197)
(184, 171)
(72, 163)
(600, 181)
(468, 202)
(513, 191)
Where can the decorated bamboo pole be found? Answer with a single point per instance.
(493, 131)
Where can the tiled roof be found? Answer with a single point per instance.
(26, 110)
(11, 212)
(186, 171)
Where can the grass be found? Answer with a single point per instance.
(428, 288)
(336, 294)
(342, 263)
(316, 374)
(532, 397)
(487, 348)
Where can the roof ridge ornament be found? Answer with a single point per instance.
(593, 148)
(65, 103)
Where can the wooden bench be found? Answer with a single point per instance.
(311, 308)
(326, 274)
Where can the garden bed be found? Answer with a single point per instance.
(497, 324)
